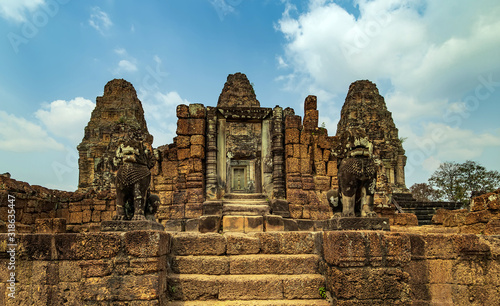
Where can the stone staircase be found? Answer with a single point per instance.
(279, 268)
(423, 210)
(245, 204)
(244, 212)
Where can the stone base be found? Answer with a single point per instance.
(358, 223)
(126, 226)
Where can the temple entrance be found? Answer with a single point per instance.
(239, 180)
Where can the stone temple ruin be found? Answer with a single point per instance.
(239, 163)
(255, 206)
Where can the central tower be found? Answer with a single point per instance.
(239, 157)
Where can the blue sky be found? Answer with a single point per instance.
(435, 62)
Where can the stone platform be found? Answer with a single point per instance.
(130, 225)
(273, 223)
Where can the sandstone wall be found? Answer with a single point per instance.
(88, 269)
(373, 268)
(483, 218)
(360, 267)
(310, 168)
(179, 176)
(83, 211)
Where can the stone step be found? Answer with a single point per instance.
(247, 196)
(196, 287)
(246, 264)
(311, 302)
(245, 209)
(245, 201)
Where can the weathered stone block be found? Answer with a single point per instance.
(132, 225)
(182, 111)
(87, 246)
(292, 136)
(198, 244)
(174, 225)
(209, 224)
(95, 268)
(293, 122)
(239, 244)
(274, 223)
(209, 265)
(305, 167)
(405, 219)
(192, 225)
(296, 197)
(305, 137)
(198, 140)
(322, 183)
(292, 165)
(233, 224)
(311, 102)
(311, 119)
(182, 141)
(52, 225)
(193, 210)
(183, 154)
(69, 271)
(197, 110)
(75, 217)
(254, 224)
(197, 151)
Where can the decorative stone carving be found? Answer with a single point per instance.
(133, 198)
(357, 176)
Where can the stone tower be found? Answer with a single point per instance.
(118, 114)
(365, 109)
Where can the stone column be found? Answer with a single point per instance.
(278, 153)
(221, 156)
(400, 174)
(211, 161)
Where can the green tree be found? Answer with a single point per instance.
(423, 192)
(455, 182)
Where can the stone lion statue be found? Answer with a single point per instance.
(357, 176)
(134, 200)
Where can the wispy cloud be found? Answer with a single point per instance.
(428, 58)
(100, 20)
(16, 10)
(66, 119)
(20, 135)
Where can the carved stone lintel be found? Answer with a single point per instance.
(355, 223)
(126, 226)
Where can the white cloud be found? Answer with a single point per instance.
(19, 135)
(120, 51)
(100, 20)
(126, 66)
(426, 49)
(16, 10)
(67, 118)
(161, 115)
(222, 8)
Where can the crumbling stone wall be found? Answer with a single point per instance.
(179, 176)
(311, 170)
(360, 267)
(83, 211)
(374, 268)
(483, 217)
(83, 269)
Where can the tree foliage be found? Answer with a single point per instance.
(423, 192)
(455, 182)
